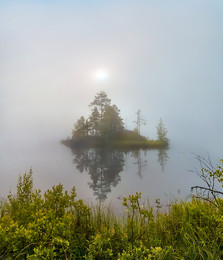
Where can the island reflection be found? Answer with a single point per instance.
(105, 166)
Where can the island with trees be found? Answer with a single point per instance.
(105, 128)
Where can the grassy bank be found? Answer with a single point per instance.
(139, 144)
(57, 225)
(119, 143)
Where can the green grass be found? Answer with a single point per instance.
(140, 144)
(120, 142)
(57, 225)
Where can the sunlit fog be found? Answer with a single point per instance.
(164, 58)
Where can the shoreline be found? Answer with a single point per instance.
(98, 142)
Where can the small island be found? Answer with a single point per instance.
(104, 128)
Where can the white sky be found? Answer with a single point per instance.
(163, 57)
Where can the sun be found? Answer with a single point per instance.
(101, 75)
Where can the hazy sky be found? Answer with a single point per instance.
(163, 57)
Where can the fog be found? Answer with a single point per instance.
(163, 57)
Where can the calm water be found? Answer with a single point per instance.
(104, 175)
(162, 57)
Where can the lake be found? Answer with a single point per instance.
(107, 176)
(162, 57)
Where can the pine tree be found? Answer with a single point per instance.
(101, 101)
(112, 123)
(94, 121)
(105, 119)
(79, 127)
(161, 131)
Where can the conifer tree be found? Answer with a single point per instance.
(161, 131)
(101, 101)
(79, 127)
(94, 121)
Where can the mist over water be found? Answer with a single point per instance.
(163, 58)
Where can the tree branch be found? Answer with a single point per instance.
(207, 189)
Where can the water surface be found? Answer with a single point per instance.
(101, 175)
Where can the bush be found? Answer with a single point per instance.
(57, 225)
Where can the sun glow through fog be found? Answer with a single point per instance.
(101, 75)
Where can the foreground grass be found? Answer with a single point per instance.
(59, 226)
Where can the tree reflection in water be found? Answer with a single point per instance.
(162, 158)
(141, 163)
(103, 166)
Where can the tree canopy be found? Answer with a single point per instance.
(104, 120)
